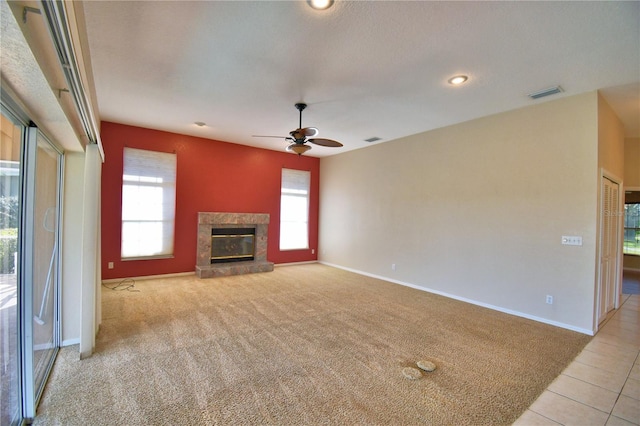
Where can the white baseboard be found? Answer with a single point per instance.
(71, 342)
(148, 277)
(473, 302)
(295, 263)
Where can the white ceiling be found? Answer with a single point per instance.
(366, 68)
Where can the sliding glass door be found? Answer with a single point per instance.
(10, 178)
(30, 181)
(42, 215)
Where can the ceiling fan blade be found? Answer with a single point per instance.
(325, 142)
(268, 136)
(310, 131)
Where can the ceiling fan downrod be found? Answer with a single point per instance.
(300, 107)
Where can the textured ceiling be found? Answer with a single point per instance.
(366, 68)
(24, 80)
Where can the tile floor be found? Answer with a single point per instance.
(602, 385)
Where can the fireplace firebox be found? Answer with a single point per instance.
(232, 244)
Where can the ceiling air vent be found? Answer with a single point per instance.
(546, 92)
(373, 139)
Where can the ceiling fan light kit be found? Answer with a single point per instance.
(298, 148)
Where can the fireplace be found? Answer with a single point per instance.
(232, 244)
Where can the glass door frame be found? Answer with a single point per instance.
(19, 120)
(32, 391)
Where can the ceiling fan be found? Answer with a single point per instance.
(298, 137)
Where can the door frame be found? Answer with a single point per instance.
(624, 191)
(605, 174)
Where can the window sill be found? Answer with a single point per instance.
(164, 256)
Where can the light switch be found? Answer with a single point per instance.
(571, 240)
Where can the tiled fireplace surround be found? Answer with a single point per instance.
(208, 220)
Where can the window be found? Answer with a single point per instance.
(632, 228)
(148, 204)
(294, 209)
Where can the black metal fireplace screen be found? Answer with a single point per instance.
(232, 244)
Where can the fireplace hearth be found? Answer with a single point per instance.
(232, 244)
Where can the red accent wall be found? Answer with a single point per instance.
(212, 176)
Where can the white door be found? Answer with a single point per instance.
(609, 250)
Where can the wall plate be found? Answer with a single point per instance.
(571, 240)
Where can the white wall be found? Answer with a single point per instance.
(90, 315)
(632, 162)
(81, 296)
(72, 247)
(476, 210)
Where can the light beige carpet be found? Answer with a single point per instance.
(306, 344)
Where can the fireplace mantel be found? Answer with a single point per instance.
(209, 220)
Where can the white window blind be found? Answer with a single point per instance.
(294, 209)
(148, 203)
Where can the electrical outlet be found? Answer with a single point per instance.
(549, 299)
(313, 251)
(393, 266)
(110, 265)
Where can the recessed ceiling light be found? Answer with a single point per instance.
(200, 123)
(458, 79)
(320, 4)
